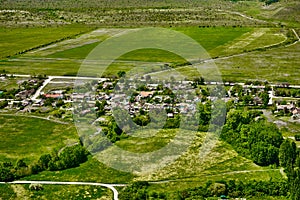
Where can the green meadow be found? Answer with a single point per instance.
(52, 192)
(27, 137)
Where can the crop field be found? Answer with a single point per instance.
(16, 40)
(41, 66)
(218, 41)
(29, 137)
(210, 38)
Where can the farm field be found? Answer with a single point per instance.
(15, 40)
(224, 42)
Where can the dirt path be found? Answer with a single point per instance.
(34, 116)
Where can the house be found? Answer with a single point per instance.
(145, 94)
(76, 96)
(25, 93)
(107, 85)
(257, 101)
(296, 113)
(54, 96)
(287, 107)
(170, 115)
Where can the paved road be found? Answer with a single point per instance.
(109, 186)
(38, 92)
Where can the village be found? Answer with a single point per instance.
(139, 98)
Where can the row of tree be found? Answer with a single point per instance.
(68, 157)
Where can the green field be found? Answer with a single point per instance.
(10, 83)
(15, 40)
(75, 53)
(275, 65)
(210, 38)
(219, 41)
(29, 137)
(52, 192)
(90, 171)
(221, 163)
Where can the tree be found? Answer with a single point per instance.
(295, 185)
(121, 73)
(218, 189)
(6, 173)
(20, 163)
(247, 99)
(265, 98)
(44, 161)
(287, 153)
(3, 104)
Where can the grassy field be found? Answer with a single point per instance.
(275, 65)
(90, 171)
(180, 184)
(41, 66)
(52, 192)
(210, 38)
(221, 159)
(15, 40)
(57, 86)
(29, 138)
(222, 163)
(75, 53)
(10, 83)
(7, 192)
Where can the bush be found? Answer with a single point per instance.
(35, 187)
(6, 173)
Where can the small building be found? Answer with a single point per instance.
(54, 96)
(170, 115)
(145, 94)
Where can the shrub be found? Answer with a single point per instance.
(35, 187)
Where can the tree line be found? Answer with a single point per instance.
(231, 188)
(68, 157)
